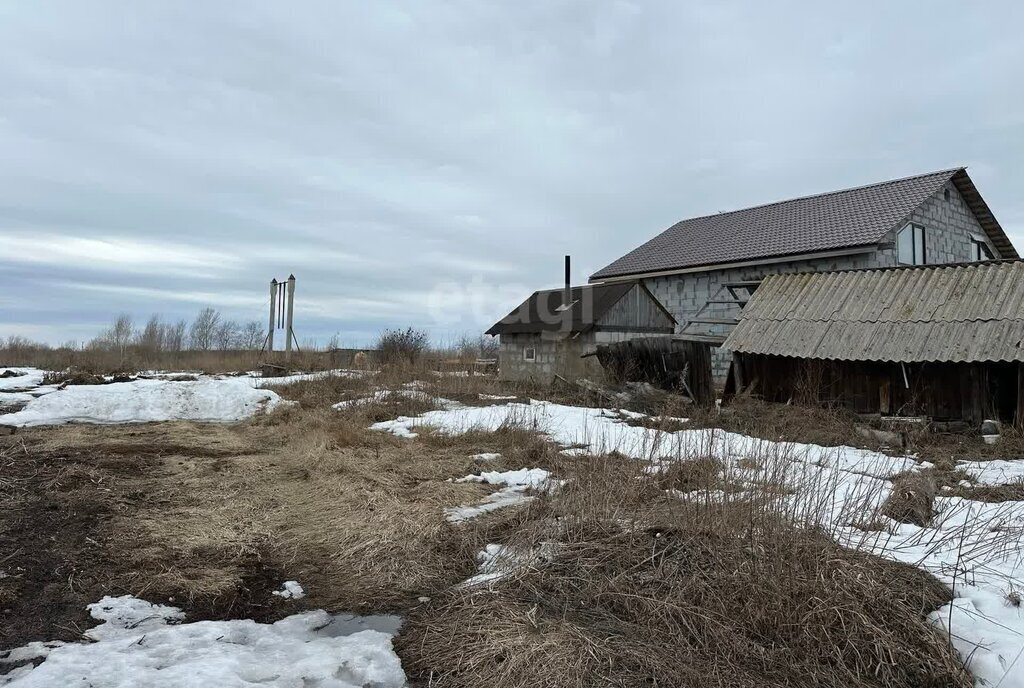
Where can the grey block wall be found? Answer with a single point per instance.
(512, 365)
(948, 228)
(684, 295)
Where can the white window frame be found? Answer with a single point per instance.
(915, 231)
(530, 354)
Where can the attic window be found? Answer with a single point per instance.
(980, 250)
(910, 245)
(529, 353)
(945, 194)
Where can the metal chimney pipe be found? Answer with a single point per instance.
(567, 294)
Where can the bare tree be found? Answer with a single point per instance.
(118, 337)
(203, 332)
(174, 336)
(253, 335)
(151, 338)
(227, 335)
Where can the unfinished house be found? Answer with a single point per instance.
(704, 269)
(946, 342)
(548, 333)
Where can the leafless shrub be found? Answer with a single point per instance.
(402, 346)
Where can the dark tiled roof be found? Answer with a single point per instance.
(540, 312)
(829, 221)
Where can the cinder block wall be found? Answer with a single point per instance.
(557, 354)
(948, 228)
(512, 366)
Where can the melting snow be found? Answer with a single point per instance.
(23, 380)
(973, 547)
(291, 590)
(486, 456)
(997, 472)
(140, 401)
(516, 483)
(385, 395)
(141, 644)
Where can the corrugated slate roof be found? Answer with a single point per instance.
(825, 222)
(540, 312)
(957, 313)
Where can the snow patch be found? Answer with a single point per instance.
(23, 379)
(516, 483)
(140, 401)
(486, 456)
(141, 644)
(291, 590)
(973, 547)
(996, 472)
(386, 395)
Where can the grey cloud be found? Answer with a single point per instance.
(426, 163)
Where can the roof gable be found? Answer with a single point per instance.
(542, 311)
(850, 218)
(956, 312)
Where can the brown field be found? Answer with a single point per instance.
(213, 518)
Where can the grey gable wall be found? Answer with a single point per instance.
(948, 226)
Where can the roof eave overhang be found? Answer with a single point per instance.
(771, 260)
(984, 214)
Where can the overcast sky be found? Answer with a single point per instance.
(429, 163)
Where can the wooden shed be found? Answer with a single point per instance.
(943, 341)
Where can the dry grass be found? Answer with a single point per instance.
(629, 587)
(1011, 492)
(938, 447)
(792, 422)
(912, 499)
(215, 517)
(625, 585)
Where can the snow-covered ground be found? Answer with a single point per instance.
(515, 484)
(386, 395)
(213, 399)
(973, 547)
(997, 472)
(260, 381)
(142, 644)
(210, 398)
(24, 380)
(157, 395)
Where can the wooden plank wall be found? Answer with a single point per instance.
(943, 391)
(637, 309)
